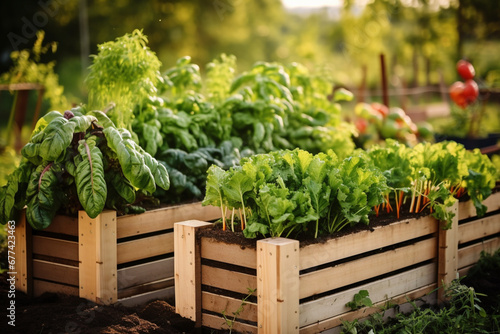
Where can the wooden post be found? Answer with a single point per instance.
(447, 253)
(23, 255)
(187, 268)
(385, 93)
(278, 286)
(97, 253)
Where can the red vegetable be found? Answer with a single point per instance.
(380, 108)
(457, 94)
(470, 91)
(465, 69)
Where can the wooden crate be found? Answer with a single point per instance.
(477, 234)
(127, 259)
(305, 289)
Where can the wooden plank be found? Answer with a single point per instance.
(231, 253)
(64, 225)
(23, 241)
(351, 272)
(227, 279)
(107, 290)
(364, 312)
(147, 287)
(97, 248)
(145, 247)
(278, 285)
(364, 241)
(144, 273)
(467, 256)
(164, 218)
(381, 290)
(55, 272)
(63, 249)
(464, 271)
(218, 303)
(215, 322)
(187, 267)
(40, 287)
(142, 299)
(478, 229)
(447, 253)
(467, 209)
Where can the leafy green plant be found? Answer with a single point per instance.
(28, 69)
(463, 314)
(71, 162)
(360, 299)
(124, 72)
(433, 176)
(286, 192)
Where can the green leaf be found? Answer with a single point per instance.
(131, 161)
(58, 136)
(216, 178)
(102, 118)
(82, 123)
(90, 181)
(43, 195)
(236, 187)
(122, 186)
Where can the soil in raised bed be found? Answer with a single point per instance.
(236, 237)
(57, 313)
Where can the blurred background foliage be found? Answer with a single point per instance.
(420, 38)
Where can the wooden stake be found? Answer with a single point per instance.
(187, 268)
(98, 257)
(23, 256)
(278, 285)
(385, 95)
(448, 253)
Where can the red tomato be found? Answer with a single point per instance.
(465, 69)
(471, 91)
(361, 125)
(457, 94)
(380, 108)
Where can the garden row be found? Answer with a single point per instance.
(281, 287)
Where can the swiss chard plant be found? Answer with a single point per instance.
(285, 192)
(76, 161)
(433, 176)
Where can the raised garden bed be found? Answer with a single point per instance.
(305, 289)
(109, 259)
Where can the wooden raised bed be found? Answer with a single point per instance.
(305, 289)
(127, 259)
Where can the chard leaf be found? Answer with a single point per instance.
(122, 186)
(216, 178)
(90, 182)
(43, 196)
(38, 216)
(58, 136)
(102, 118)
(82, 123)
(236, 187)
(131, 161)
(253, 228)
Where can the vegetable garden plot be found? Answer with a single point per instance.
(133, 253)
(305, 289)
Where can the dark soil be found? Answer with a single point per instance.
(54, 313)
(237, 237)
